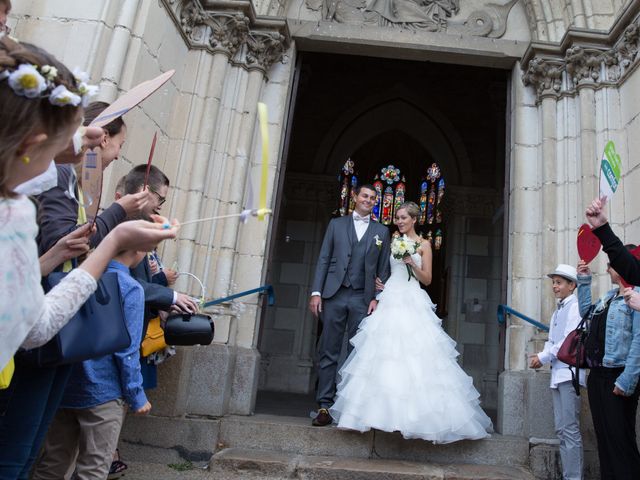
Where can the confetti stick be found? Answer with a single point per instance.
(153, 147)
(245, 213)
(264, 133)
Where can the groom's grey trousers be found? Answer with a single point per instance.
(344, 310)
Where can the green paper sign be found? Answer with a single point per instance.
(609, 171)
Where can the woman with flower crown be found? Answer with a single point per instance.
(41, 106)
(402, 374)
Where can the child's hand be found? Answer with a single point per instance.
(145, 409)
(583, 268)
(534, 361)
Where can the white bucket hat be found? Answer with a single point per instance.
(565, 271)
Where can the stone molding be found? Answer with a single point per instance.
(232, 28)
(584, 58)
(489, 19)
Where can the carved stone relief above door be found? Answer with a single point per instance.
(482, 18)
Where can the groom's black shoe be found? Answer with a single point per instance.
(322, 419)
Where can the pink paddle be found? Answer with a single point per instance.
(588, 244)
(130, 99)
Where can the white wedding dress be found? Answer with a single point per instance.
(402, 374)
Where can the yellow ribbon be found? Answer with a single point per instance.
(264, 133)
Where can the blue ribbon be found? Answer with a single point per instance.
(504, 310)
(268, 288)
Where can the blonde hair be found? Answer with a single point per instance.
(412, 209)
(21, 116)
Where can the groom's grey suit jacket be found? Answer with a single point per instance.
(335, 255)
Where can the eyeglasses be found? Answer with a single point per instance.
(161, 199)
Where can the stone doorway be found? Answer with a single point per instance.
(410, 114)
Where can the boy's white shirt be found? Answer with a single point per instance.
(563, 321)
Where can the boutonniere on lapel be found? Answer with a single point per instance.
(378, 242)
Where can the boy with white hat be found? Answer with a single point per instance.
(566, 404)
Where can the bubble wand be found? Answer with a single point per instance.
(262, 209)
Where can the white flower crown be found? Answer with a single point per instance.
(32, 82)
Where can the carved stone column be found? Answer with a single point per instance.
(263, 49)
(227, 32)
(236, 49)
(116, 53)
(525, 208)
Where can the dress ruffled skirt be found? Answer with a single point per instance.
(402, 374)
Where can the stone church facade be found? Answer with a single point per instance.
(513, 99)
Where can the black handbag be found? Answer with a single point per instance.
(97, 329)
(188, 329)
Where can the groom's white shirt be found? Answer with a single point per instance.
(361, 224)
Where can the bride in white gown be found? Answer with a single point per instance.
(402, 374)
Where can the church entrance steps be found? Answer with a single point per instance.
(276, 444)
(295, 435)
(271, 464)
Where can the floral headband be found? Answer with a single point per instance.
(32, 81)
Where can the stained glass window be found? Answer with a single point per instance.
(432, 192)
(348, 182)
(391, 191)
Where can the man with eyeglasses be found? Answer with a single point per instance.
(157, 296)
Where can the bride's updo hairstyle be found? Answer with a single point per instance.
(31, 102)
(412, 209)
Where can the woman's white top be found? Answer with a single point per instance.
(28, 317)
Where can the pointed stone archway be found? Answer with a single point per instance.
(378, 114)
(334, 125)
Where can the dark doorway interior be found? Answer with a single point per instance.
(379, 112)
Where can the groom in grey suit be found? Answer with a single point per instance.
(355, 251)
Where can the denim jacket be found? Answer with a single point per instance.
(622, 337)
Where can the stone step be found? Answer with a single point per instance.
(295, 435)
(272, 464)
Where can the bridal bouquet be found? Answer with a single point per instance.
(404, 247)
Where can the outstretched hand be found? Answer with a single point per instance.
(142, 235)
(595, 212)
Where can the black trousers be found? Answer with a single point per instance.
(614, 420)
